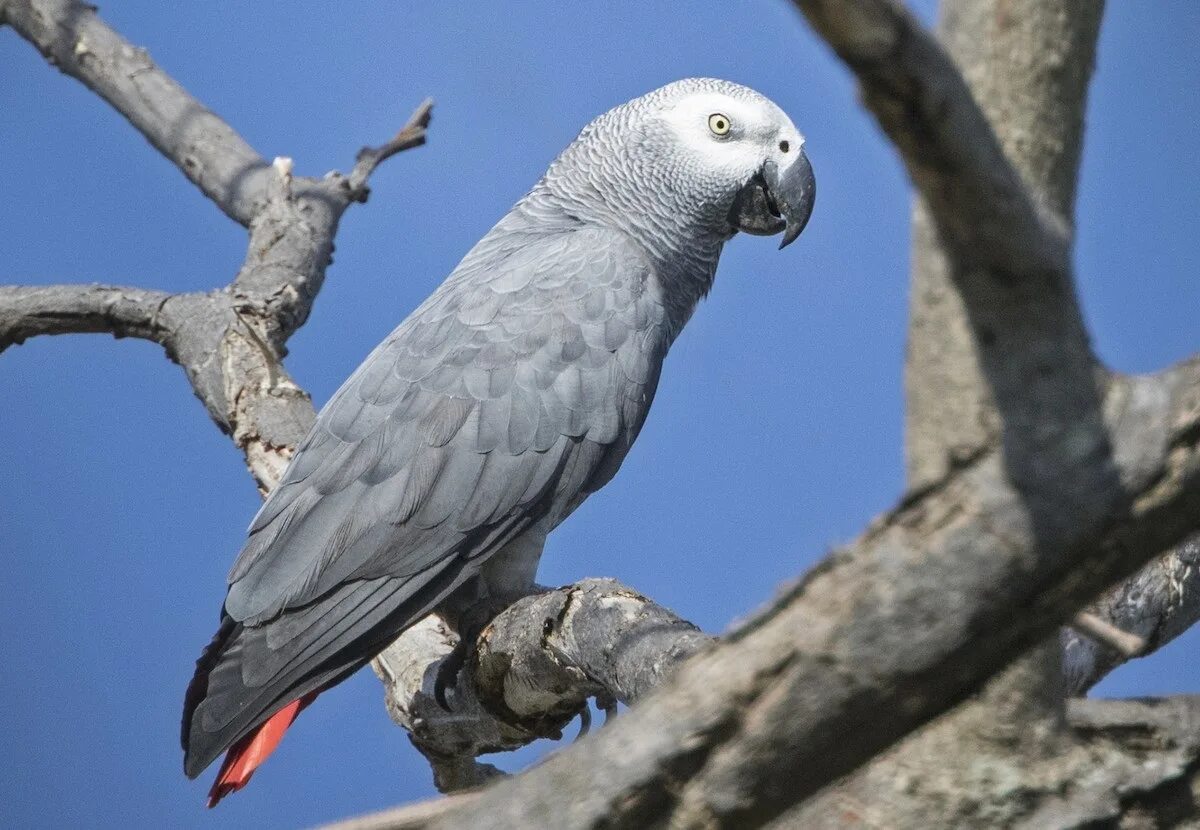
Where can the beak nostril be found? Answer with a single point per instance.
(784, 146)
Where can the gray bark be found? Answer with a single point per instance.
(1027, 64)
(230, 342)
(531, 672)
(1119, 763)
(205, 149)
(1157, 604)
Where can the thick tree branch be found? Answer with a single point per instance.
(832, 673)
(1135, 764)
(1121, 763)
(532, 670)
(1027, 64)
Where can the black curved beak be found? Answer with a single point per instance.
(777, 199)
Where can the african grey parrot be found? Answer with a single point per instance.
(431, 478)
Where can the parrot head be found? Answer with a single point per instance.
(697, 159)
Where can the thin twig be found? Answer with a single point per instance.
(1126, 644)
(411, 135)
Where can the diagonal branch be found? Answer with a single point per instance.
(209, 152)
(1155, 605)
(833, 672)
(1137, 764)
(923, 104)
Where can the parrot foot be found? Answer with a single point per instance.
(449, 670)
(470, 625)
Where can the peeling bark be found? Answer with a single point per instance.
(531, 672)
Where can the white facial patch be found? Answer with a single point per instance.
(756, 128)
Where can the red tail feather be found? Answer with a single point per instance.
(247, 755)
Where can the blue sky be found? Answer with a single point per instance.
(777, 429)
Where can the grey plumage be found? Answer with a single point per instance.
(483, 420)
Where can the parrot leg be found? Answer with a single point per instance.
(470, 625)
(506, 578)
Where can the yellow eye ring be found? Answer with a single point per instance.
(718, 122)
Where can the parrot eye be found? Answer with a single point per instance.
(719, 124)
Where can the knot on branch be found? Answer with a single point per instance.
(532, 669)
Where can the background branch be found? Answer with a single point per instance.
(1156, 605)
(913, 88)
(229, 342)
(411, 135)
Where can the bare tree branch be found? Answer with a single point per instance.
(407, 817)
(28, 311)
(230, 342)
(1122, 763)
(531, 671)
(913, 88)
(412, 134)
(208, 151)
(1156, 605)
(1027, 64)
(1102, 631)
(832, 673)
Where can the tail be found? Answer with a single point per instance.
(247, 755)
(252, 680)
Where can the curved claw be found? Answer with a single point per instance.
(585, 721)
(447, 673)
(609, 705)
